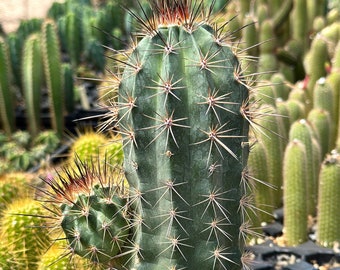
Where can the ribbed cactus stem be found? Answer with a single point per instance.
(182, 118)
(294, 189)
(329, 200)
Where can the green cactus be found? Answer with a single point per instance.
(15, 45)
(279, 83)
(53, 74)
(68, 87)
(24, 231)
(314, 63)
(321, 122)
(295, 195)
(323, 97)
(73, 38)
(32, 72)
(272, 127)
(299, 22)
(93, 212)
(329, 188)
(7, 101)
(302, 131)
(259, 173)
(182, 121)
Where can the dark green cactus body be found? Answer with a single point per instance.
(183, 131)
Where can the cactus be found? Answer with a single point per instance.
(12, 186)
(327, 231)
(53, 74)
(295, 195)
(259, 174)
(321, 122)
(24, 231)
(93, 211)
(73, 38)
(68, 87)
(7, 105)
(32, 71)
(88, 146)
(181, 117)
(314, 63)
(302, 131)
(272, 127)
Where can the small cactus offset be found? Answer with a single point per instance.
(92, 211)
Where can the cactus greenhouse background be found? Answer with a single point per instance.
(216, 114)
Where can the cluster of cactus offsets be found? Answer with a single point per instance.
(183, 115)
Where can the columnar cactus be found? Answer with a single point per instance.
(182, 114)
(328, 233)
(53, 74)
(295, 195)
(32, 72)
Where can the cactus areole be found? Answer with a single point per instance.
(183, 117)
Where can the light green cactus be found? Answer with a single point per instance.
(294, 193)
(327, 230)
(302, 131)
